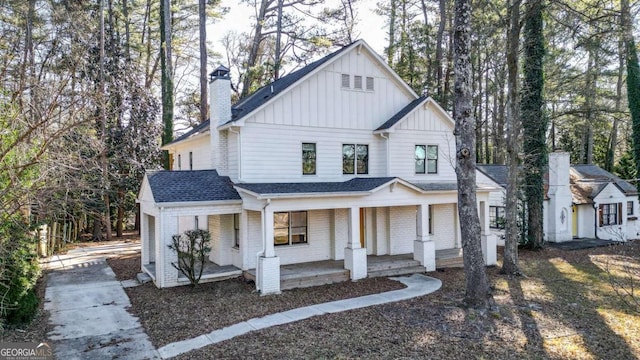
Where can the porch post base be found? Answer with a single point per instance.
(355, 260)
(268, 275)
(425, 252)
(489, 249)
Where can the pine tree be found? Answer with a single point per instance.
(534, 121)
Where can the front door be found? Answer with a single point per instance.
(362, 226)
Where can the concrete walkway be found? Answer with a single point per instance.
(417, 285)
(88, 307)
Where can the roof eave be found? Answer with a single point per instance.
(197, 203)
(190, 138)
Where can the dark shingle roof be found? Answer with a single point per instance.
(587, 181)
(497, 173)
(188, 186)
(200, 128)
(402, 113)
(267, 92)
(435, 186)
(353, 185)
(596, 173)
(264, 94)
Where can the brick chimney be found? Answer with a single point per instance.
(560, 202)
(220, 113)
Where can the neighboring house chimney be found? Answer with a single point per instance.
(560, 201)
(220, 113)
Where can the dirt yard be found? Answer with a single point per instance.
(570, 305)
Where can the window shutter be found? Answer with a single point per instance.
(619, 219)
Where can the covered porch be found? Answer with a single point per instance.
(333, 271)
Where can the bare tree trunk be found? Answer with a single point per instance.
(103, 128)
(255, 47)
(613, 138)
(477, 292)
(510, 262)
(442, 6)
(391, 49)
(202, 11)
(120, 217)
(278, 55)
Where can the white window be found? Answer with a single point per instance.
(357, 82)
(290, 228)
(346, 83)
(610, 214)
(369, 83)
(426, 159)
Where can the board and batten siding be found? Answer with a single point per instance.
(424, 126)
(321, 101)
(273, 153)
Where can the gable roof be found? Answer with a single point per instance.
(190, 186)
(412, 106)
(586, 181)
(262, 96)
(402, 113)
(495, 172)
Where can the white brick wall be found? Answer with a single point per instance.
(444, 226)
(341, 232)
(402, 230)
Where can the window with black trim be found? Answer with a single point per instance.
(496, 217)
(190, 160)
(430, 219)
(355, 159)
(426, 159)
(179, 162)
(236, 231)
(290, 228)
(308, 159)
(609, 214)
(629, 208)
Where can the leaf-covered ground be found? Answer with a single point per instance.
(570, 305)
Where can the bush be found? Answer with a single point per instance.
(192, 248)
(19, 271)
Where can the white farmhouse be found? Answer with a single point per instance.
(581, 202)
(336, 171)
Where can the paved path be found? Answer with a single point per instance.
(88, 307)
(417, 285)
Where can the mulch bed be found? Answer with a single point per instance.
(179, 313)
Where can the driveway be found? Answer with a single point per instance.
(88, 307)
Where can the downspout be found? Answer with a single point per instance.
(386, 137)
(239, 145)
(595, 223)
(264, 241)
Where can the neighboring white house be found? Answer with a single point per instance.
(340, 160)
(581, 201)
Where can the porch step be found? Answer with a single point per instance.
(396, 271)
(292, 281)
(452, 262)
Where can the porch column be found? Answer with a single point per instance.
(424, 249)
(144, 238)
(166, 274)
(268, 270)
(355, 256)
(489, 242)
(244, 239)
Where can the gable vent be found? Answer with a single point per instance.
(369, 83)
(357, 82)
(345, 81)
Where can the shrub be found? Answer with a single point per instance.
(192, 248)
(19, 271)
